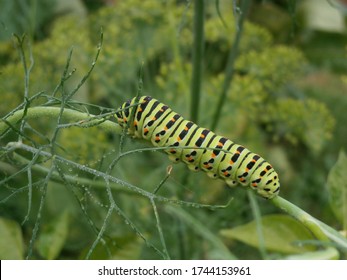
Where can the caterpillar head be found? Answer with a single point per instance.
(269, 185)
(124, 117)
(123, 114)
(130, 116)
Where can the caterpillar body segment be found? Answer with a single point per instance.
(199, 148)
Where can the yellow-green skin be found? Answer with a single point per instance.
(199, 148)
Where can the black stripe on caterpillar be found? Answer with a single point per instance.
(199, 148)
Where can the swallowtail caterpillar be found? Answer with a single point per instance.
(222, 158)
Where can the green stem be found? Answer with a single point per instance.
(201, 229)
(107, 178)
(229, 71)
(320, 230)
(56, 177)
(257, 218)
(53, 112)
(198, 49)
(305, 218)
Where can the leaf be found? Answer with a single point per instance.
(281, 234)
(337, 187)
(53, 237)
(11, 240)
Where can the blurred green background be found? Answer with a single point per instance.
(287, 102)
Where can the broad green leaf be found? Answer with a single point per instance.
(337, 186)
(326, 253)
(11, 240)
(281, 234)
(53, 236)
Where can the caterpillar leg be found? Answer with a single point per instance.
(212, 175)
(174, 158)
(231, 183)
(193, 167)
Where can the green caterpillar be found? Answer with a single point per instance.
(222, 158)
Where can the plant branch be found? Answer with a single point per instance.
(229, 71)
(198, 49)
(81, 119)
(320, 230)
